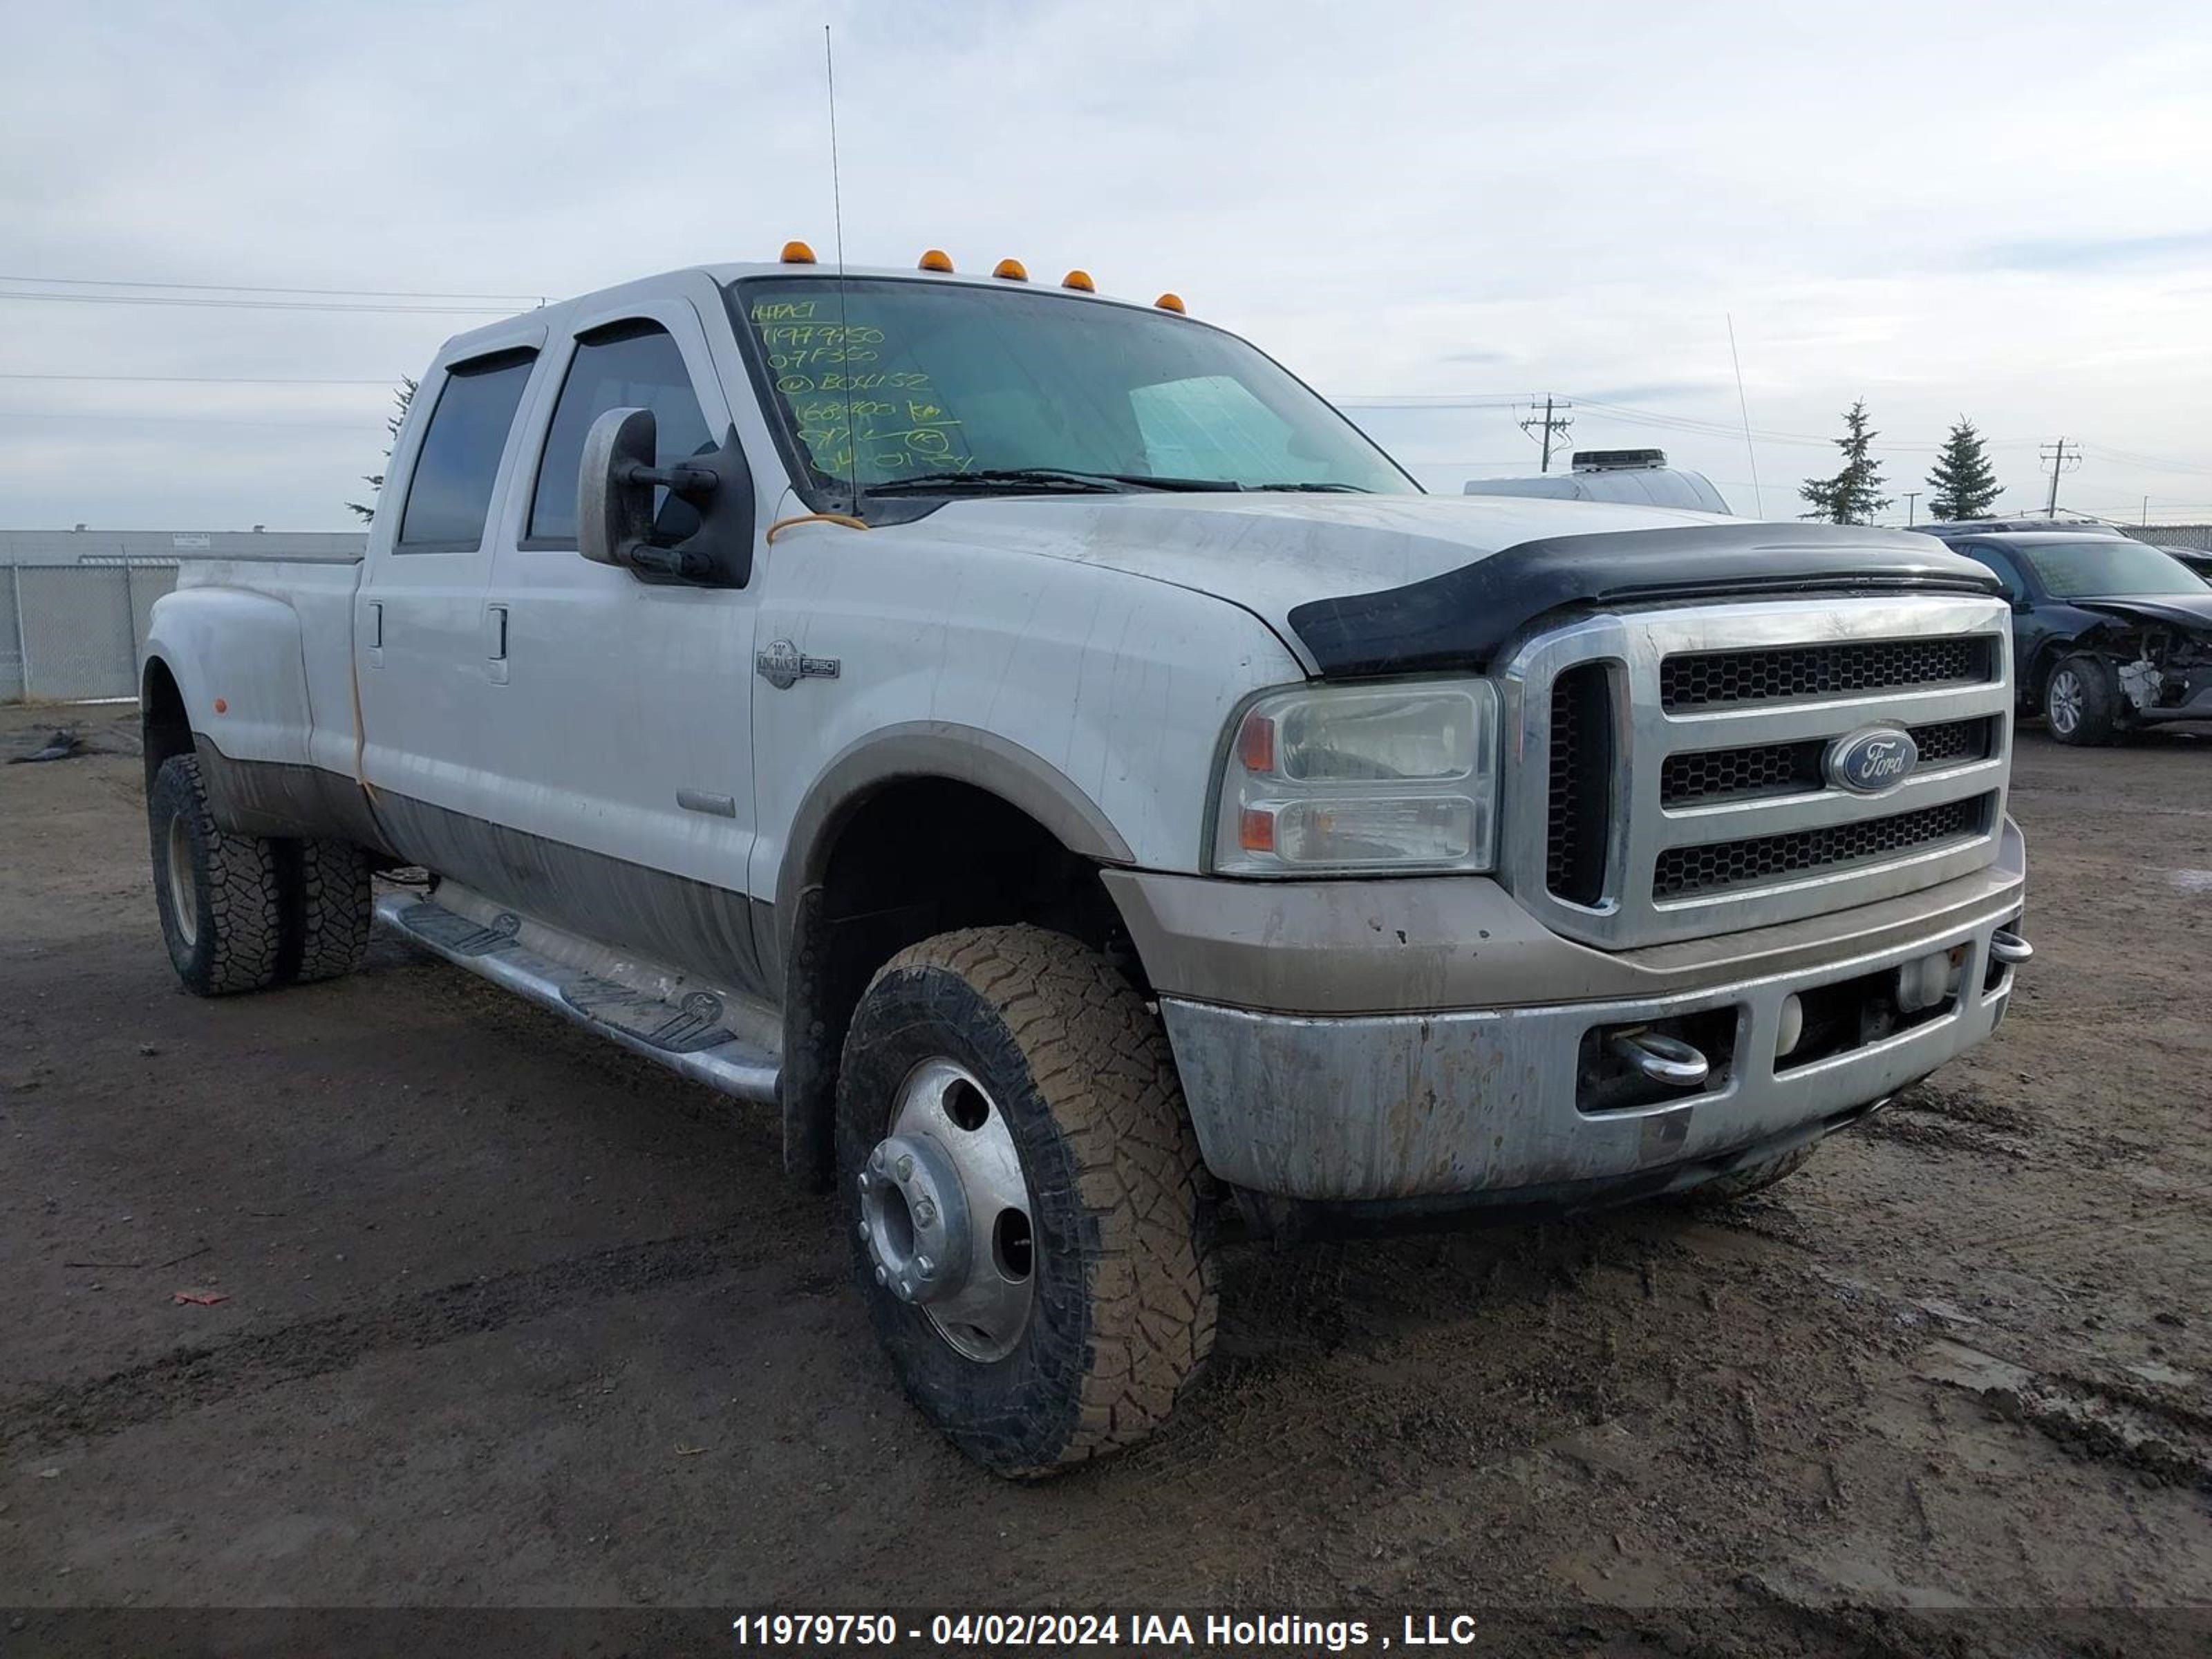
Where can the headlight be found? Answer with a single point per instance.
(1361, 779)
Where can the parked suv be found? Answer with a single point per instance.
(2110, 635)
(1042, 750)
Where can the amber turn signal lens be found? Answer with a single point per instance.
(798, 253)
(1255, 831)
(1012, 270)
(1169, 302)
(1256, 743)
(936, 259)
(1079, 279)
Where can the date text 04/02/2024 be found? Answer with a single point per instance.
(1249, 1632)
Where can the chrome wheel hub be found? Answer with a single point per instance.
(2065, 700)
(946, 1214)
(183, 899)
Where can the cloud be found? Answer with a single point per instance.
(2094, 253)
(1419, 199)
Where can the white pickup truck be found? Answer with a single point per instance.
(1039, 747)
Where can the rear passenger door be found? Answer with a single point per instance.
(623, 724)
(420, 640)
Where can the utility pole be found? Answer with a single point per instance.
(1550, 424)
(2057, 455)
(1911, 496)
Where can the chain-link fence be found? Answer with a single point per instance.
(71, 632)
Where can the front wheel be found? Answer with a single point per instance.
(2081, 702)
(1024, 1192)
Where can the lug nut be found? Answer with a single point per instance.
(883, 1274)
(925, 1212)
(862, 1228)
(866, 1180)
(906, 1166)
(876, 1159)
(924, 1267)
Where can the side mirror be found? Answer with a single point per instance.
(615, 484)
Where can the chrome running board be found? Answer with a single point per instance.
(688, 1030)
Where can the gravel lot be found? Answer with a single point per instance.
(512, 1319)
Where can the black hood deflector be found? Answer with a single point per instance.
(1459, 620)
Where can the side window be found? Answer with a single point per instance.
(1190, 427)
(449, 492)
(2015, 590)
(629, 366)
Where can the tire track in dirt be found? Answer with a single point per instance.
(187, 1378)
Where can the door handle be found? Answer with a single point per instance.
(375, 633)
(495, 643)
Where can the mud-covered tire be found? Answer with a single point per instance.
(1122, 1317)
(327, 914)
(219, 894)
(1752, 1178)
(2081, 702)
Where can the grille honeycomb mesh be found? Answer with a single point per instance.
(1778, 673)
(1787, 768)
(1681, 871)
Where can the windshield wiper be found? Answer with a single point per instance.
(1040, 478)
(1318, 489)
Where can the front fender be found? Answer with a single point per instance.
(240, 669)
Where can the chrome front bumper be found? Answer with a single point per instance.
(1485, 1100)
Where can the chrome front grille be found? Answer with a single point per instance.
(1672, 780)
(1712, 864)
(1786, 769)
(1702, 679)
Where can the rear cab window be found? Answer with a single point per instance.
(456, 468)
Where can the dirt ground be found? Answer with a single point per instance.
(512, 1319)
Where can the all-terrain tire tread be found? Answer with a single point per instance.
(243, 922)
(331, 912)
(1099, 1059)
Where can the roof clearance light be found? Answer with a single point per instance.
(798, 253)
(936, 259)
(1012, 270)
(1079, 280)
(1169, 302)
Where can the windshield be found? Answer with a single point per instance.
(2109, 568)
(937, 387)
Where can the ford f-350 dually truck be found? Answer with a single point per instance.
(1044, 751)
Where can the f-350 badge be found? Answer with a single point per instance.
(782, 665)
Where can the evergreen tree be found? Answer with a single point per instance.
(1849, 497)
(1964, 485)
(402, 397)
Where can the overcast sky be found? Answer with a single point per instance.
(2000, 209)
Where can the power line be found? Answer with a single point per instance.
(199, 379)
(2056, 454)
(264, 305)
(247, 288)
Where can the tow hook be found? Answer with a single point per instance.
(2010, 948)
(1662, 1059)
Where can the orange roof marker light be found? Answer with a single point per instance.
(1079, 280)
(936, 259)
(797, 253)
(1013, 270)
(1169, 302)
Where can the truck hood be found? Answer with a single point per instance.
(2183, 611)
(1373, 584)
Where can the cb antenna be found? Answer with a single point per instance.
(844, 324)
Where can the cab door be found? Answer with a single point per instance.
(422, 673)
(622, 720)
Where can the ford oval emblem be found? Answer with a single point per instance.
(1873, 762)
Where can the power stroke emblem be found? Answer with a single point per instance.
(782, 665)
(1873, 762)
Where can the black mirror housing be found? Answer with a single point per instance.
(614, 505)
